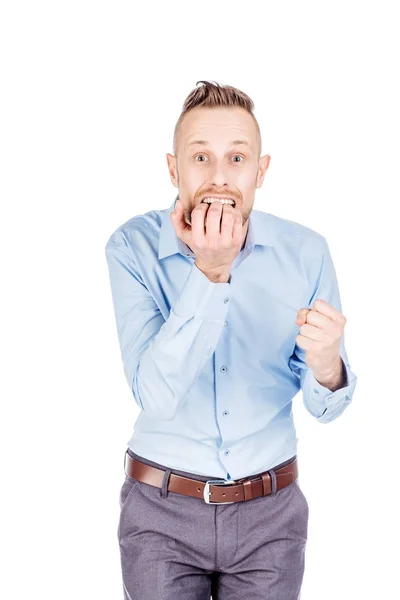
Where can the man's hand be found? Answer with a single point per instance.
(215, 249)
(320, 335)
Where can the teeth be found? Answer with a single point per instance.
(222, 200)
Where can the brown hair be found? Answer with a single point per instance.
(211, 95)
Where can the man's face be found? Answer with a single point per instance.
(220, 165)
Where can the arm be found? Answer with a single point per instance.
(335, 379)
(162, 358)
(325, 398)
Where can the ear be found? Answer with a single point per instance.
(173, 173)
(262, 169)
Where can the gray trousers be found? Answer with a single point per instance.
(176, 547)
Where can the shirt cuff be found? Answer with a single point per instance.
(203, 298)
(324, 404)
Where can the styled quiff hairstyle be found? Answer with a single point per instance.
(211, 95)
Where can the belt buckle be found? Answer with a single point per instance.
(206, 491)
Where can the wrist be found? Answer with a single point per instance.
(219, 279)
(333, 379)
(215, 275)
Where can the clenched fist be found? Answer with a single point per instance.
(320, 336)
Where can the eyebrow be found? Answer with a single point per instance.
(233, 143)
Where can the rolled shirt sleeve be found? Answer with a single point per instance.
(162, 358)
(321, 402)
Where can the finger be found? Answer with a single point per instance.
(213, 220)
(198, 218)
(178, 219)
(326, 309)
(312, 333)
(319, 320)
(304, 342)
(314, 318)
(237, 228)
(302, 315)
(177, 214)
(300, 320)
(229, 215)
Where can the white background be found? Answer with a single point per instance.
(91, 92)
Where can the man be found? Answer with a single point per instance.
(223, 314)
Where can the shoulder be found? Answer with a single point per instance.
(287, 230)
(139, 229)
(296, 243)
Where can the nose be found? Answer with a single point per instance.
(218, 176)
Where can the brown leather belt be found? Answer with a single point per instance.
(222, 491)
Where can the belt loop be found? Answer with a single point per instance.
(272, 474)
(126, 452)
(164, 487)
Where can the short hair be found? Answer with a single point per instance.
(211, 95)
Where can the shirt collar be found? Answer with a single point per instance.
(260, 233)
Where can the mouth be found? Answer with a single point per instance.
(223, 199)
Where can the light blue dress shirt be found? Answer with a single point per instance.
(214, 367)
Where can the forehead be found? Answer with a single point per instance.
(218, 125)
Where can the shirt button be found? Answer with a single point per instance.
(223, 369)
(226, 452)
(225, 413)
(226, 300)
(316, 391)
(226, 323)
